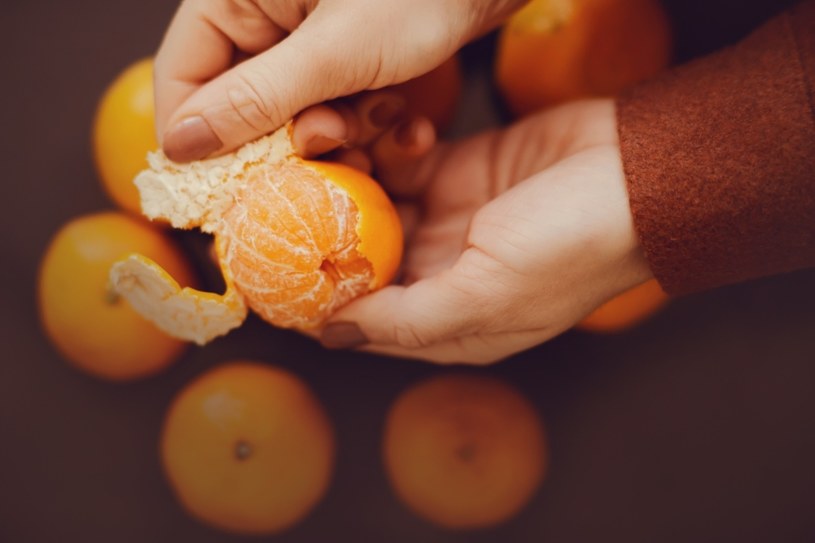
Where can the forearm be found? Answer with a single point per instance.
(719, 157)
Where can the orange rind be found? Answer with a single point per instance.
(248, 448)
(464, 451)
(124, 131)
(627, 310)
(553, 51)
(296, 239)
(93, 328)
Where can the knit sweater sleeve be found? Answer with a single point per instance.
(719, 157)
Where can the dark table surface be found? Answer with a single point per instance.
(697, 426)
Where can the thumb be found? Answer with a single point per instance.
(257, 96)
(432, 310)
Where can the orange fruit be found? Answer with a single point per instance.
(435, 94)
(464, 451)
(626, 310)
(296, 239)
(551, 51)
(124, 132)
(247, 448)
(94, 328)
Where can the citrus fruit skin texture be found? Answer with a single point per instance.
(435, 94)
(92, 328)
(464, 451)
(247, 448)
(626, 310)
(124, 132)
(552, 51)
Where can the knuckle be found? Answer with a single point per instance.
(254, 103)
(410, 336)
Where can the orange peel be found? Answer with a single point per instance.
(295, 239)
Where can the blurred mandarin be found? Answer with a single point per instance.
(552, 51)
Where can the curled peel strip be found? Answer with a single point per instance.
(188, 196)
(185, 313)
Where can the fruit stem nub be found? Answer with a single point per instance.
(111, 296)
(466, 452)
(243, 450)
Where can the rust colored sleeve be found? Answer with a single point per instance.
(719, 156)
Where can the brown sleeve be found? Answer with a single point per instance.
(719, 156)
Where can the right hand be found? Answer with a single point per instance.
(231, 71)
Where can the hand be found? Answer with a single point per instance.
(231, 71)
(520, 234)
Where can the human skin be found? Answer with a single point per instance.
(513, 235)
(230, 71)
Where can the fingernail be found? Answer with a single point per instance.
(386, 112)
(342, 335)
(190, 139)
(320, 144)
(406, 133)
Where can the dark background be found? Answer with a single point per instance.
(697, 426)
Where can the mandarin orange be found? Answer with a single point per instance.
(464, 451)
(88, 323)
(626, 310)
(124, 131)
(552, 51)
(248, 448)
(296, 239)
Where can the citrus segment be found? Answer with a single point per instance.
(185, 313)
(291, 216)
(378, 228)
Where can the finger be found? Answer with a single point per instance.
(448, 352)
(366, 116)
(213, 36)
(409, 215)
(434, 248)
(255, 97)
(318, 130)
(377, 112)
(472, 349)
(395, 152)
(430, 311)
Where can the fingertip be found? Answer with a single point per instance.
(190, 139)
(385, 109)
(342, 335)
(377, 111)
(395, 152)
(414, 137)
(318, 130)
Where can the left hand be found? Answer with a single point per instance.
(519, 234)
